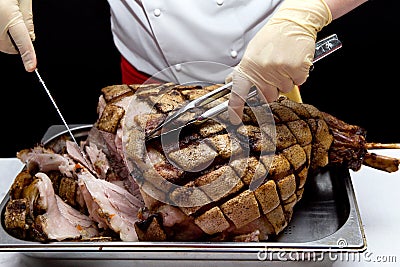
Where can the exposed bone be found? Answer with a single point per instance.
(381, 162)
(382, 146)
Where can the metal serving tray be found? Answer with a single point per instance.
(325, 221)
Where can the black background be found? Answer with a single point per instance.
(77, 57)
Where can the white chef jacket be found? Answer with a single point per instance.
(187, 40)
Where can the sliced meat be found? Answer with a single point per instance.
(40, 159)
(60, 221)
(39, 214)
(110, 205)
(98, 160)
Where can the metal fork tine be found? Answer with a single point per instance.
(212, 112)
(198, 102)
(211, 96)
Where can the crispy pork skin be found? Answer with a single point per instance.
(278, 151)
(212, 182)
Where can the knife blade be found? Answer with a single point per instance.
(56, 107)
(49, 95)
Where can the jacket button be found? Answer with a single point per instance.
(178, 67)
(157, 12)
(220, 2)
(234, 53)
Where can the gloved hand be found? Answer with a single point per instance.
(280, 54)
(16, 21)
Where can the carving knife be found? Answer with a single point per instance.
(49, 95)
(56, 107)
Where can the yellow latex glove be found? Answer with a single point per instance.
(294, 94)
(280, 54)
(16, 19)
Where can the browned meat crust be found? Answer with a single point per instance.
(211, 167)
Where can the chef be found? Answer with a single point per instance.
(269, 44)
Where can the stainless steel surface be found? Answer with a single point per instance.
(323, 48)
(326, 220)
(212, 112)
(55, 131)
